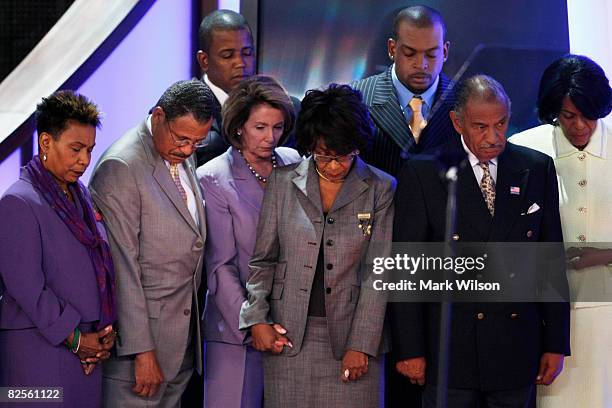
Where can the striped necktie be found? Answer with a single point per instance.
(174, 173)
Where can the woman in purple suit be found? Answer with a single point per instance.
(56, 275)
(257, 117)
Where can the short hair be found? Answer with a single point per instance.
(223, 20)
(336, 115)
(582, 80)
(55, 111)
(187, 97)
(420, 17)
(251, 92)
(480, 88)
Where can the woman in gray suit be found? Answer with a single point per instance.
(257, 117)
(319, 220)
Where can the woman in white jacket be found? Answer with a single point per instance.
(573, 98)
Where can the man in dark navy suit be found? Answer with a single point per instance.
(226, 57)
(505, 193)
(410, 102)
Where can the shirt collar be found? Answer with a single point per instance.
(597, 144)
(472, 158)
(404, 95)
(219, 93)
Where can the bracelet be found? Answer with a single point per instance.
(76, 340)
(78, 345)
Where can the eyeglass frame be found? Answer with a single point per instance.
(349, 157)
(184, 141)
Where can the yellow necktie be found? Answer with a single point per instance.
(418, 122)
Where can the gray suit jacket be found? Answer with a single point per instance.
(157, 249)
(291, 228)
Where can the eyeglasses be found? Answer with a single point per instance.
(343, 160)
(183, 141)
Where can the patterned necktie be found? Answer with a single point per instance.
(418, 122)
(174, 173)
(487, 186)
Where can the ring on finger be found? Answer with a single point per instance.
(347, 373)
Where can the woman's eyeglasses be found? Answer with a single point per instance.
(343, 160)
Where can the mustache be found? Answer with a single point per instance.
(491, 145)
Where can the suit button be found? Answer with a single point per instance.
(581, 238)
(330, 220)
(514, 315)
(480, 316)
(199, 244)
(328, 290)
(329, 267)
(582, 183)
(455, 237)
(186, 312)
(529, 234)
(330, 242)
(582, 210)
(582, 156)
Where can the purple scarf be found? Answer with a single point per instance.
(84, 229)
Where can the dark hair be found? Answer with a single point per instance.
(251, 92)
(336, 115)
(481, 88)
(54, 112)
(418, 16)
(224, 20)
(582, 80)
(187, 97)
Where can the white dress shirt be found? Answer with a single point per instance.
(219, 93)
(478, 171)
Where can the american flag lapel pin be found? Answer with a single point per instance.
(515, 190)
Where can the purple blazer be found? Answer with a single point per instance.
(233, 199)
(47, 279)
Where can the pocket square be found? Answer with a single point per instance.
(533, 208)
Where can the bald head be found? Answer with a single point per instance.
(419, 17)
(220, 20)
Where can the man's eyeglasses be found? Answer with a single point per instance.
(343, 160)
(183, 141)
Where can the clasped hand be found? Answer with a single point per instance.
(270, 337)
(94, 347)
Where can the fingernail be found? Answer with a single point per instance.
(290, 345)
(539, 377)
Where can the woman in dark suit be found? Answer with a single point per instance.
(319, 220)
(257, 117)
(56, 275)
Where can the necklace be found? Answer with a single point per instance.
(254, 172)
(327, 179)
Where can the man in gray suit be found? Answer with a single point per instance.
(145, 188)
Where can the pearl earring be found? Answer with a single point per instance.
(44, 157)
(239, 133)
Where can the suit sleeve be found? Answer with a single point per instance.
(116, 194)
(556, 315)
(369, 317)
(256, 309)
(22, 275)
(410, 225)
(222, 272)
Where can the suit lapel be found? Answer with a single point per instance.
(161, 174)
(386, 112)
(507, 205)
(244, 182)
(470, 202)
(353, 186)
(307, 182)
(189, 167)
